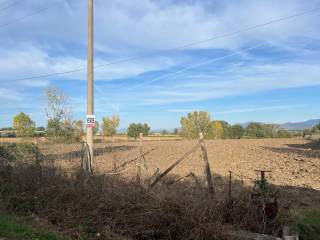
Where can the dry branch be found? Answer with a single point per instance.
(173, 166)
(131, 161)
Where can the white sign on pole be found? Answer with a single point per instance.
(91, 121)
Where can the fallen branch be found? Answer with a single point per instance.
(130, 161)
(173, 166)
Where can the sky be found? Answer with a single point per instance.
(168, 57)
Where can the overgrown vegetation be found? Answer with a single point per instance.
(307, 224)
(60, 126)
(108, 207)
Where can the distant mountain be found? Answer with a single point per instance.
(300, 125)
(293, 125)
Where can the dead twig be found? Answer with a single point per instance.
(173, 166)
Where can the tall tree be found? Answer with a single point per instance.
(135, 129)
(24, 126)
(60, 127)
(237, 131)
(195, 123)
(109, 125)
(217, 129)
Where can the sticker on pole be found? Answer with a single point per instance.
(91, 121)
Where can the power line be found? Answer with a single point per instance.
(193, 66)
(134, 57)
(29, 15)
(9, 6)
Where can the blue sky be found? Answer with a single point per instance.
(268, 74)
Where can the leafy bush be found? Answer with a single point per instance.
(307, 224)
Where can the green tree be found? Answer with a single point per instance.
(259, 130)
(60, 127)
(237, 131)
(316, 128)
(135, 129)
(23, 125)
(109, 125)
(217, 131)
(255, 130)
(195, 123)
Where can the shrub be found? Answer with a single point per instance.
(307, 224)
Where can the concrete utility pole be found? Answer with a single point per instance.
(90, 101)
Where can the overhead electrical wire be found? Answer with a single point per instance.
(134, 57)
(196, 65)
(29, 15)
(9, 5)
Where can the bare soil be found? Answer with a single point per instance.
(294, 163)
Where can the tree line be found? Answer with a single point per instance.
(61, 127)
(200, 121)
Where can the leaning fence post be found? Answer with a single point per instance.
(230, 184)
(140, 159)
(206, 165)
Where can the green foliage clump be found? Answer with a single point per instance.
(135, 129)
(12, 229)
(307, 224)
(23, 125)
(237, 131)
(260, 130)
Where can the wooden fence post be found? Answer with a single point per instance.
(230, 184)
(140, 159)
(206, 165)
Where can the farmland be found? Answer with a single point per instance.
(294, 162)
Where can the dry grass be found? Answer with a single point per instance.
(294, 163)
(112, 205)
(102, 206)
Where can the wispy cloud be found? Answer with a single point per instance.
(6, 94)
(56, 42)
